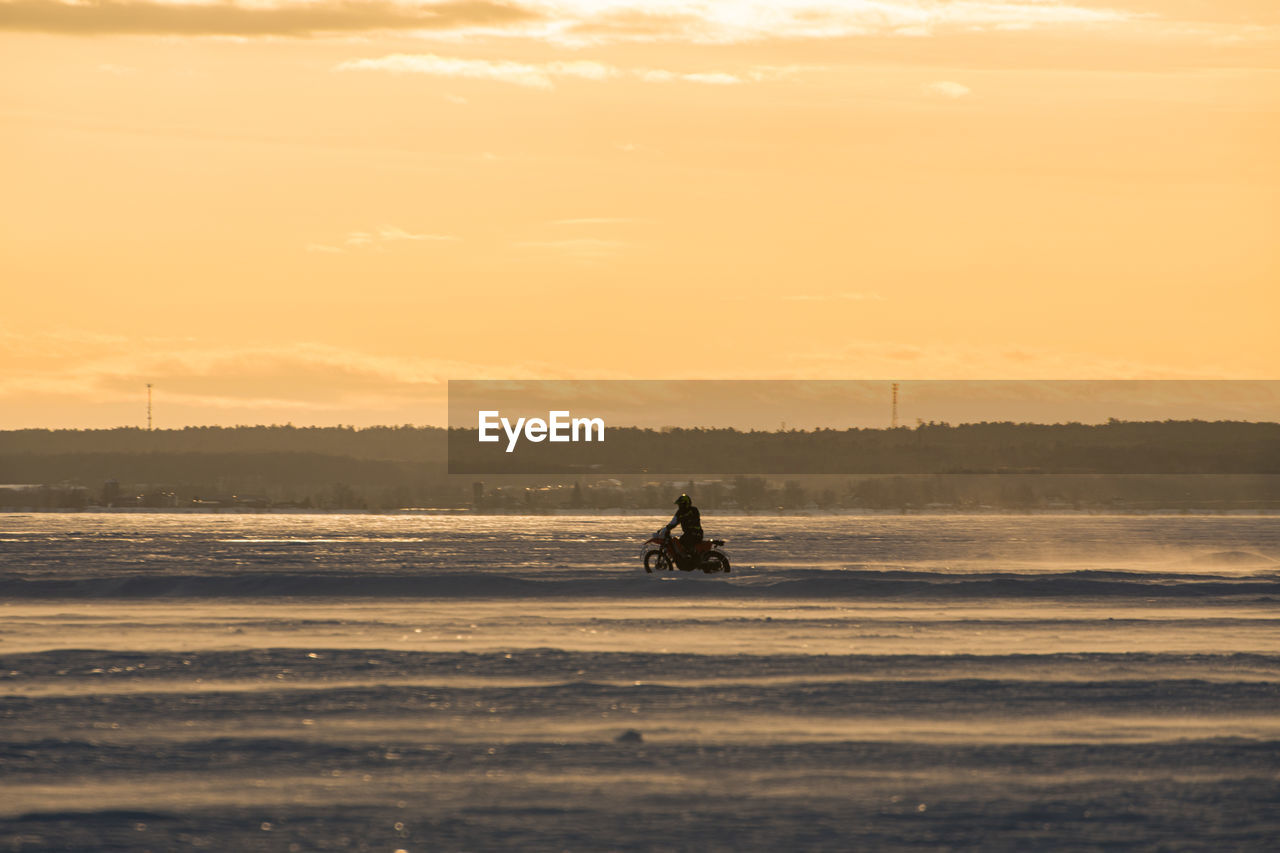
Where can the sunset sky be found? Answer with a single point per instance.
(319, 211)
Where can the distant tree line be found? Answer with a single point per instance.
(1167, 447)
(401, 443)
(1003, 465)
(969, 492)
(940, 492)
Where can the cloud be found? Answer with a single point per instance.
(586, 23)
(590, 22)
(88, 378)
(378, 239)
(285, 18)
(715, 78)
(947, 89)
(886, 358)
(539, 76)
(212, 382)
(519, 73)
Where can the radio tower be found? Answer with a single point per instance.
(149, 406)
(893, 421)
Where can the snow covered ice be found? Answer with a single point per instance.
(365, 682)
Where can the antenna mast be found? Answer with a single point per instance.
(893, 421)
(149, 406)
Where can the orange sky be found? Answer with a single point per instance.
(319, 211)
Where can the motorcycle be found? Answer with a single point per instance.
(662, 553)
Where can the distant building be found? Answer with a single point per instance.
(158, 499)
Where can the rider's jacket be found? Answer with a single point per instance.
(689, 519)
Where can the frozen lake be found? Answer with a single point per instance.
(276, 682)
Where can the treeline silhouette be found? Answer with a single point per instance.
(1171, 463)
(314, 467)
(1118, 447)
(942, 492)
(401, 443)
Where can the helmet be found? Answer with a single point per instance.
(684, 500)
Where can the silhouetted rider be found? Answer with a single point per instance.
(690, 521)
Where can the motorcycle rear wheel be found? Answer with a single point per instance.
(714, 561)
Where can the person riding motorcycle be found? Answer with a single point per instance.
(690, 522)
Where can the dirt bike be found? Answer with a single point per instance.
(662, 553)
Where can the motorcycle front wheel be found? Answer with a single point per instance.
(656, 561)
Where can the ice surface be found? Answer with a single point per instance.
(422, 683)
